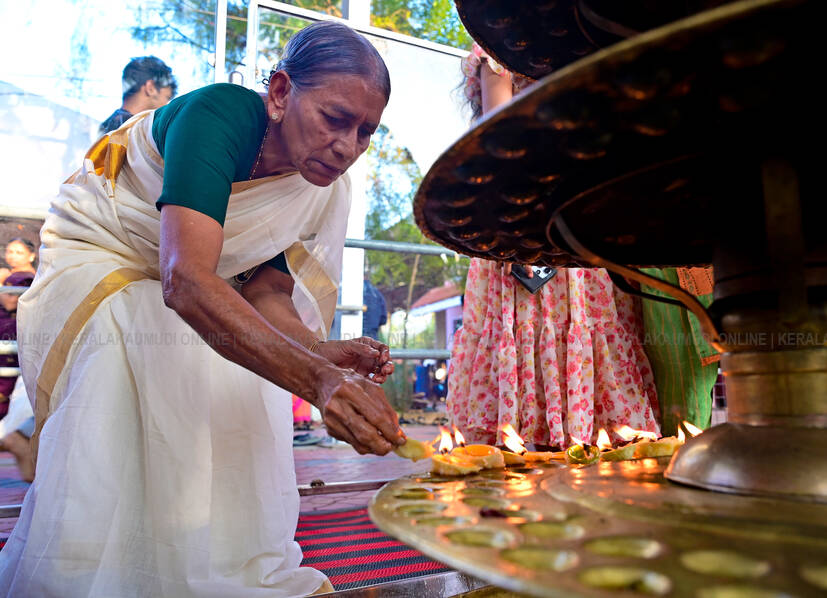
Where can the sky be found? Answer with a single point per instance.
(40, 38)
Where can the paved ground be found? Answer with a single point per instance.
(343, 464)
(338, 464)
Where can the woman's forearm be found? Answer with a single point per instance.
(495, 89)
(278, 308)
(232, 327)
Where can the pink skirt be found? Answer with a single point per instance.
(557, 365)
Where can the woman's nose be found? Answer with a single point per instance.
(347, 146)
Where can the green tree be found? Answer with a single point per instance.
(193, 23)
(434, 20)
(393, 180)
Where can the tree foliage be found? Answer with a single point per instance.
(193, 23)
(434, 20)
(393, 180)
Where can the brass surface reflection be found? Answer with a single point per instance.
(613, 529)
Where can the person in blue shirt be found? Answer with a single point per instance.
(376, 311)
(147, 84)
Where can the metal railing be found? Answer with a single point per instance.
(13, 290)
(365, 244)
(400, 247)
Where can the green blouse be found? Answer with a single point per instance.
(209, 139)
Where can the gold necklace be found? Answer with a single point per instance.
(260, 150)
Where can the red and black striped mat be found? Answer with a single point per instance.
(352, 552)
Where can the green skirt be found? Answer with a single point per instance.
(677, 352)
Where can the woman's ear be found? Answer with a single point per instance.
(277, 92)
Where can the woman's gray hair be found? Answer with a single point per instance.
(331, 48)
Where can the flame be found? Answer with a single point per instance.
(460, 439)
(681, 436)
(576, 440)
(693, 430)
(604, 443)
(512, 440)
(445, 444)
(628, 433)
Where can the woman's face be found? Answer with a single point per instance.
(18, 255)
(326, 128)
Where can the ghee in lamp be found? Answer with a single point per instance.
(484, 455)
(580, 454)
(447, 464)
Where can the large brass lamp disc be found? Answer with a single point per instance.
(611, 529)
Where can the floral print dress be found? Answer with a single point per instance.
(557, 365)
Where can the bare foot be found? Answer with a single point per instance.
(21, 447)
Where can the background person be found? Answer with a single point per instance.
(376, 311)
(166, 468)
(684, 363)
(147, 84)
(20, 257)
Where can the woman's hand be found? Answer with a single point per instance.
(355, 410)
(364, 355)
(528, 270)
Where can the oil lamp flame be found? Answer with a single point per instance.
(512, 440)
(604, 443)
(445, 443)
(629, 433)
(693, 430)
(458, 437)
(681, 436)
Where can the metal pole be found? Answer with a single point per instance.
(28, 213)
(252, 43)
(220, 40)
(352, 308)
(420, 354)
(400, 247)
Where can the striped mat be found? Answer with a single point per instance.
(352, 552)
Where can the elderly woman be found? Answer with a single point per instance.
(187, 281)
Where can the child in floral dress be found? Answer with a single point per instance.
(559, 364)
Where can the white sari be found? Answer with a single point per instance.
(163, 469)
